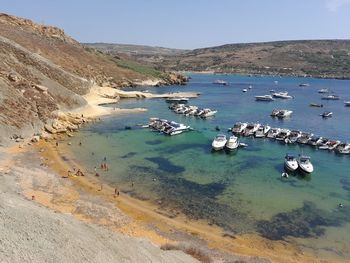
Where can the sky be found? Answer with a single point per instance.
(189, 24)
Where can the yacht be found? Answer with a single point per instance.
(264, 98)
(283, 134)
(251, 129)
(232, 143)
(244, 90)
(281, 95)
(208, 113)
(290, 162)
(275, 112)
(293, 136)
(343, 148)
(273, 133)
(176, 128)
(322, 91)
(284, 113)
(262, 131)
(315, 140)
(177, 100)
(327, 114)
(239, 127)
(316, 105)
(304, 138)
(331, 97)
(347, 103)
(219, 142)
(323, 144)
(305, 164)
(333, 145)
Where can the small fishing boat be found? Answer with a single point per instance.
(244, 90)
(327, 114)
(264, 98)
(284, 113)
(250, 87)
(331, 97)
(304, 85)
(323, 91)
(316, 105)
(273, 133)
(220, 82)
(219, 142)
(290, 162)
(305, 164)
(232, 143)
(239, 127)
(347, 103)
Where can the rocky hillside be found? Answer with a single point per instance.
(42, 70)
(317, 58)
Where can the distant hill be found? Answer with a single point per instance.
(317, 58)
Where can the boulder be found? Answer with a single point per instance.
(49, 128)
(35, 138)
(40, 88)
(13, 77)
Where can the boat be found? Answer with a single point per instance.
(333, 145)
(284, 113)
(315, 140)
(304, 138)
(347, 103)
(343, 148)
(250, 87)
(244, 90)
(290, 162)
(304, 85)
(251, 129)
(293, 136)
(322, 91)
(281, 95)
(331, 97)
(273, 133)
(267, 128)
(167, 127)
(219, 142)
(327, 114)
(232, 143)
(305, 164)
(275, 112)
(282, 135)
(220, 82)
(323, 144)
(177, 100)
(239, 127)
(264, 98)
(316, 105)
(208, 113)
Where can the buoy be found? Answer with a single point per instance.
(285, 175)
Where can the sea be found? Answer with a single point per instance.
(241, 191)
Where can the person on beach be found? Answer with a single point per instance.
(132, 184)
(95, 169)
(102, 166)
(80, 143)
(97, 174)
(56, 144)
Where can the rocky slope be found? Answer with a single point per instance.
(317, 58)
(43, 70)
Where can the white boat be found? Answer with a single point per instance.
(244, 90)
(273, 133)
(267, 128)
(282, 135)
(251, 129)
(208, 113)
(305, 164)
(284, 113)
(264, 98)
(281, 95)
(290, 162)
(219, 142)
(315, 141)
(331, 97)
(322, 91)
(343, 148)
(262, 131)
(327, 114)
(220, 82)
(304, 138)
(239, 127)
(275, 112)
(333, 145)
(304, 85)
(177, 100)
(232, 143)
(293, 136)
(347, 103)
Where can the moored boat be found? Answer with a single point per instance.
(251, 129)
(305, 164)
(220, 82)
(284, 113)
(177, 100)
(239, 127)
(322, 91)
(264, 98)
(219, 142)
(273, 133)
(281, 95)
(331, 97)
(232, 143)
(316, 105)
(347, 103)
(290, 162)
(304, 138)
(327, 114)
(282, 135)
(343, 148)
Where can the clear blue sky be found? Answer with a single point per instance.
(189, 23)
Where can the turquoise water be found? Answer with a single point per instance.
(243, 191)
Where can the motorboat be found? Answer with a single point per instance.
(305, 164)
(322, 91)
(304, 85)
(284, 113)
(250, 87)
(167, 127)
(331, 97)
(333, 145)
(315, 140)
(327, 114)
(275, 112)
(316, 105)
(220, 82)
(244, 90)
(177, 100)
(343, 148)
(290, 162)
(281, 95)
(273, 133)
(264, 98)
(251, 129)
(323, 144)
(293, 136)
(219, 142)
(262, 131)
(267, 128)
(347, 103)
(232, 143)
(239, 127)
(304, 138)
(282, 135)
(208, 113)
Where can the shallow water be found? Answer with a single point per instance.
(242, 191)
